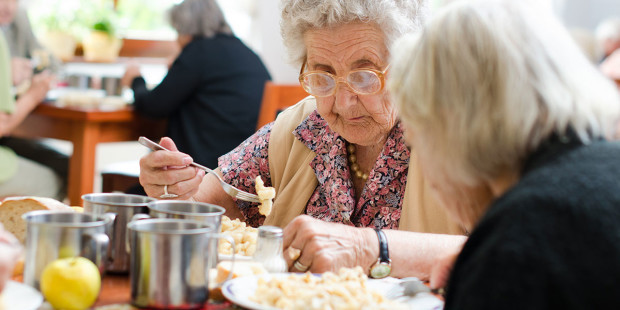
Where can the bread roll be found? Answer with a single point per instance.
(11, 211)
(241, 268)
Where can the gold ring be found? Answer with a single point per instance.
(166, 194)
(299, 266)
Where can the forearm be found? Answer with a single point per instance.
(412, 254)
(24, 105)
(210, 191)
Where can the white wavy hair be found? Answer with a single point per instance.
(394, 17)
(486, 82)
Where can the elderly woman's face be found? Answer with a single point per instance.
(360, 119)
(7, 11)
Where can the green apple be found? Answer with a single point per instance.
(71, 283)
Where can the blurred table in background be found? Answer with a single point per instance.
(85, 129)
(153, 69)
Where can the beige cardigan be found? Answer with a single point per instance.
(295, 181)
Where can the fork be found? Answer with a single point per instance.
(229, 189)
(410, 287)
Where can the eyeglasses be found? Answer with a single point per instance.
(360, 81)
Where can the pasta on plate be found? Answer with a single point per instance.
(346, 290)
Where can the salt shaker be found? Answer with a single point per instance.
(269, 249)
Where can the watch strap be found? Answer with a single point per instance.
(384, 253)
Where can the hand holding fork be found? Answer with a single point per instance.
(184, 161)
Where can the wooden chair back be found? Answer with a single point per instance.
(277, 97)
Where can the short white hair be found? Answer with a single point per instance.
(394, 17)
(608, 29)
(486, 82)
(199, 18)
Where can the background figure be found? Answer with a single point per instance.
(608, 35)
(26, 52)
(25, 61)
(21, 176)
(525, 115)
(212, 93)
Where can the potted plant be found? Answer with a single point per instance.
(101, 44)
(57, 36)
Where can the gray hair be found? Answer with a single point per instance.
(199, 18)
(486, 82)
(394, 17)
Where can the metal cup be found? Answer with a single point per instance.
(191, 210)
(51, 235)
(169, 263)
(111, 85)
(124, 206)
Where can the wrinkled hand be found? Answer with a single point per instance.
(440, 273)
(161, 168)
(132, 71)
(9, 253)
(21, 70)
(325, 246)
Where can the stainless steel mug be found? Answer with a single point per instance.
(191, 210)
(124, 206)
(52, 234)
(169, 263)
(111, 85)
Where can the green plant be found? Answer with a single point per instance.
(104, 25)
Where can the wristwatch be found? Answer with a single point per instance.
(383, 267)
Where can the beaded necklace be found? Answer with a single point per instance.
(355, 167)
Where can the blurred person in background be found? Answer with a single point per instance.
(212, 93)
(346, 183)
(20, 176)
(526, 115)
(608, 35)
(22, 46)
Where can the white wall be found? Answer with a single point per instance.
(272, 49)
(587, 13)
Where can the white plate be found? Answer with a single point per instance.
(239, 290)
(19, 296)
(237, 257)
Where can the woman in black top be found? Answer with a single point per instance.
(502, 109)
(212, 93)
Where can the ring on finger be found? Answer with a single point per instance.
(299, 266)
(166, 194)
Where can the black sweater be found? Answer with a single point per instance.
(550, 242)
(211, 97)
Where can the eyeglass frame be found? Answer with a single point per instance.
(380, 75)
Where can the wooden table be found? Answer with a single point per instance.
(116, 289)
(85, 128)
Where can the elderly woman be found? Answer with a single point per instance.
(213, 90)
(524, 115)
(337, 156)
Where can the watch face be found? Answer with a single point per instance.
(380, 270)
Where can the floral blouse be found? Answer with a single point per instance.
(333, 199)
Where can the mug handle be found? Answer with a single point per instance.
(232, 264)
(135, 217)
(94, 246)
(110, 219)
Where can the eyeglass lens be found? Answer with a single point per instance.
(362, 82)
